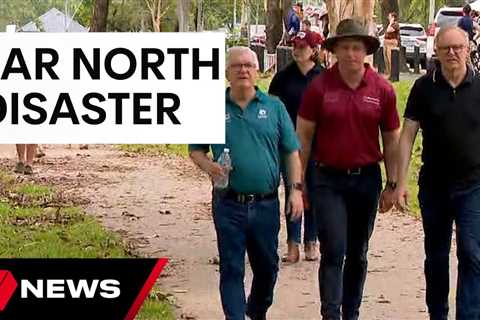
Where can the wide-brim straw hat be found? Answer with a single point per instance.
(351, 28)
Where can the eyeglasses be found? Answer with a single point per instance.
(238, 66)
(446, 49)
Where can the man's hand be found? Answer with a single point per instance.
(387, 200)
(216, 171)
(295, 205)
(401, 198)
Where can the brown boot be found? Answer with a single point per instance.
(311, 251)
(293, 253)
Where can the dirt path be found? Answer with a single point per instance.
(162, 206)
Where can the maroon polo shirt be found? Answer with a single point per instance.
(348, 120)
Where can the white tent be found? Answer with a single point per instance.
(53, 21)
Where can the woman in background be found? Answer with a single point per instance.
(289, 85)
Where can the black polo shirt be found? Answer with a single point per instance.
(450, 123)
(289, 85)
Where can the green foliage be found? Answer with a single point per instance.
(128, 15)
(156, 149)
(416, 11)
(21, 12)
(402, 90)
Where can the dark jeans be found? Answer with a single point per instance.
(253, 228)
(294, 228)
(345, 207)
(440, 207)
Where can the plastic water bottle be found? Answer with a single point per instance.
(226, 162)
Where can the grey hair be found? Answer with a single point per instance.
(444, 30)
(237, 50)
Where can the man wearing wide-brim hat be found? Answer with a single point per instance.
(346, 107)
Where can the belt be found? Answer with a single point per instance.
(348, 172)
(244, 198)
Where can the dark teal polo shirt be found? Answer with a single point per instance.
(257, 138)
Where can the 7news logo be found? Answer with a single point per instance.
(8, 284)
(108, 289)
(56, 288)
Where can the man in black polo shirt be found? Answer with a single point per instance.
(445, 104)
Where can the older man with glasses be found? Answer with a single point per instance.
(246, 214)
(445, 104)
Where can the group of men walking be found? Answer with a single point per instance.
(331, 168)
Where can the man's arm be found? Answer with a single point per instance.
(305, 132)
(407, 139)
(294, 169)
(201, 159)
(390, 143)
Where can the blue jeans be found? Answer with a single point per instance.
(440, 206)
(294, 228)
(345, 207)
(251, 227)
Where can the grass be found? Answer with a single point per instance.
(156, 149)
(36, 222)
(402, 89)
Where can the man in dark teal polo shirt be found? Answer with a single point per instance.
(247, 215)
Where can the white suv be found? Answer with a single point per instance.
(446, 16)
(411, 35)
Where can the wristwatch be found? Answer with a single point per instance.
(297, 186)
(392, 185)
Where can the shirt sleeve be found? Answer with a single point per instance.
(199, 147)
(413, 111)
(311, 103)
(288, 137)
(389, 119)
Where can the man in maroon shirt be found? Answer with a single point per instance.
(346, 107)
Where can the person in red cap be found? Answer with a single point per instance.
(289, 85)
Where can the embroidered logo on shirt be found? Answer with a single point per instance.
(227, 117)
(262, 114)
(331, 97)
(372, 100)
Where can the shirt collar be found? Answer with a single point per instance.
(259, 95)
(367, 76)
(315, 69)
(438, 75)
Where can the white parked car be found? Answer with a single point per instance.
(411, 35)
(446, 16)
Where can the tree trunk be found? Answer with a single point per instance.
(199, 19)
(387, 7)
(155, 8)
(337, 11)
(244, 19)
(343, 9)
(364, 9)
(183, 15)
(286, 6)
(274, 28)
(99, 17)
